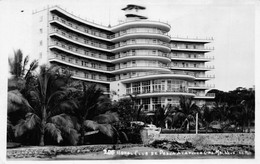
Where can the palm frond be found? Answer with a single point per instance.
(106, 129)
(25, 62)
(20, 128)
(89, 124)
(32, 121)
(54, 131)
(16, 101)
(33, 66)
(62, 120)
(107, 118)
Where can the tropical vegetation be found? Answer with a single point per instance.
(47, 107)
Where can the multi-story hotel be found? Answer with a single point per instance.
(135, 57)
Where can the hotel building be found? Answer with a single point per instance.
(135, 57)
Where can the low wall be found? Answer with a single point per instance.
(210, 138)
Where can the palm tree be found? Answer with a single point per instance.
(188, 109)
(50, 100)
(206, 116)
(21, 75)
(89, 101)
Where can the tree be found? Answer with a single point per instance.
(90, 100)
(21, 75)
(187, 110)
(50, 101)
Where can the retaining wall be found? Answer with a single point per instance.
(211, 138)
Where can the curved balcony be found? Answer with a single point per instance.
(66, 61)
(135, 34)
(192, 68)
(145, 45)
(134, 68)
(156, 93)
(141, 23)
(139, 56)
(193, 40)
(78, 29)
(77, 52)
(204, 87)
(203, 49)
(204, 96)
(187, 58)
(79, 41)
(155, 75)
(81, 76)
(204, 77)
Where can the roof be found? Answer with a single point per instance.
(131, 6)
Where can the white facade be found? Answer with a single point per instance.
(135, 57)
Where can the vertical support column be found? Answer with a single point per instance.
(197, 118)
(151, 103)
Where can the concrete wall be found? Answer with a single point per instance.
(203, 139)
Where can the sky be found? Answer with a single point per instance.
(230, 22)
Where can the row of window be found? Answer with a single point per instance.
(78, 38)
(83, 28)
(98, 33)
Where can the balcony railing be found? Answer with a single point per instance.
(91, 77)
(143, 74)
(203, 86)
(80, 28)
(191, 57)
(138, 31)
(100, 34)
(190, 66)
(192, 48)
(205, 95)
(205, 76)
(136, 66)
(140, 43)
(81, 51)
(118, 56)
(79, 39)
(190, 38)
(73, 62)
(179, 90)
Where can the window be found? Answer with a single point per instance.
(128, 88)
(86, 75)
(136, 87)
(146, 103)
(156, 102)
(62, 57)
(40, 30)
(133, 63)
(40, 55)
(41, 43)
(146, 86)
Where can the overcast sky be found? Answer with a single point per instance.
(230, 23)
